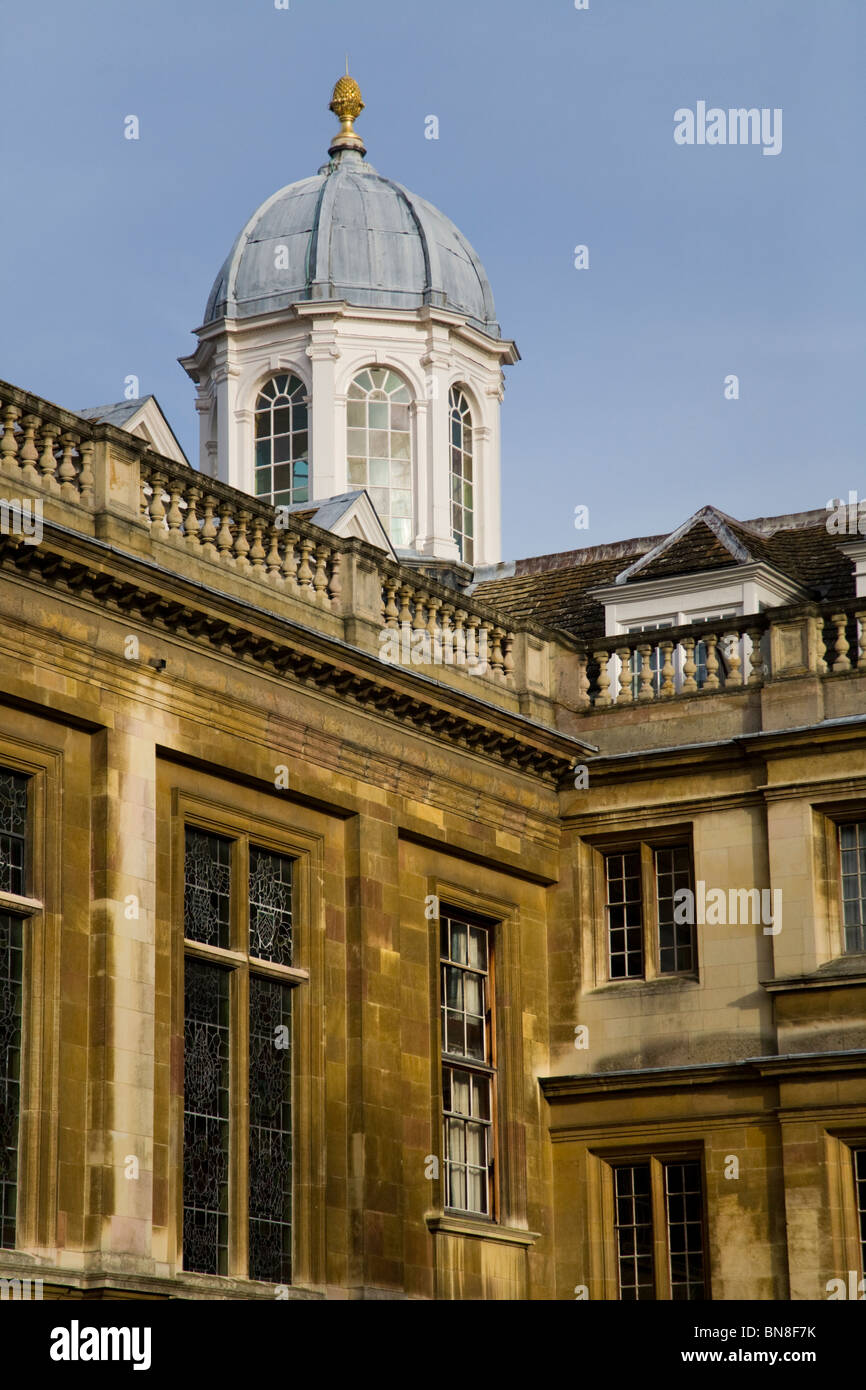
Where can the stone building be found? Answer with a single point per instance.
(378, 919)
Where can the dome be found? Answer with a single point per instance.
(351, 234)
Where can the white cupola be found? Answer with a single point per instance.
(350, 342)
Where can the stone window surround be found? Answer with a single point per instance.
(308, 972)
(601, 1161)
(38, 1127)
(827, 819)
(509, 1215)
(595, 972)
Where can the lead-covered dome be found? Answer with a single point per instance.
(351, 234)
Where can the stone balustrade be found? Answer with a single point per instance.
(707, 657)
(438, 626)
(190, 511)
(45, 447)
(94, 477)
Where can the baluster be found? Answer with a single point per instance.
(28, 454)
(175, 515)
(335, 587)
(420, 623)
(305, 572)
(582, 681)
(756, 657)
(689, 667)
(224, 539)
(508, 656)
(646, 691)
(9, 442)
(447, 630)
(861, 639)
(86, 480)
(434, 604)
(274, 560)
(495, 660)
(667, 687)
(626, 694)
(290, 562)
(209, 528)
(712, 681)
(405, 612)
(603, 696)
(473, 654)
(735, 676)
(391, 613)
(460, 637)
(157, 510)
(47, 460)
(257, 550)
(842, 663)
(320, 581)
(242, 545)
(191, 522)
(66, 472)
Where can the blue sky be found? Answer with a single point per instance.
(556, 129)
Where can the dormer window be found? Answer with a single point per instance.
(282, 442)
(380, 448)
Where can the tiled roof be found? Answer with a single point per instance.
(555, 589)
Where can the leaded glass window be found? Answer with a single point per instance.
(462, 477)
(467, 1071)
(270, 1152)
(282, 442)
(228, 1114)
(206, 892)
(852, 846)
(206, 1118)
(11, 959)
(13, 831)
(380, 448)
(270, 906)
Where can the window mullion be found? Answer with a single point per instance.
(650, 913)
(661, 1259)
(239, 1137)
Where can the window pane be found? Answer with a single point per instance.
(11, 957)
(684, 1197)
(676, 940)
(466, 1092)
(206, 1118)
(13, 830)
(270, 1176)
(634, 1233)
(207, 883)
(852, 843)
(624, 914)
(270, 906)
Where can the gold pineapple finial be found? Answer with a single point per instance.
(347, 105)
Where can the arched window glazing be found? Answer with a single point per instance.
(282, 442)
(462, 480)
(380, 448)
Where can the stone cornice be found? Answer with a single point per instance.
(753, 1069)
(127, 584)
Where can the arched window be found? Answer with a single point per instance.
(380, 448)
(462, 482)
(282, 442)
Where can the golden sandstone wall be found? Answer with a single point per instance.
(453, 791)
